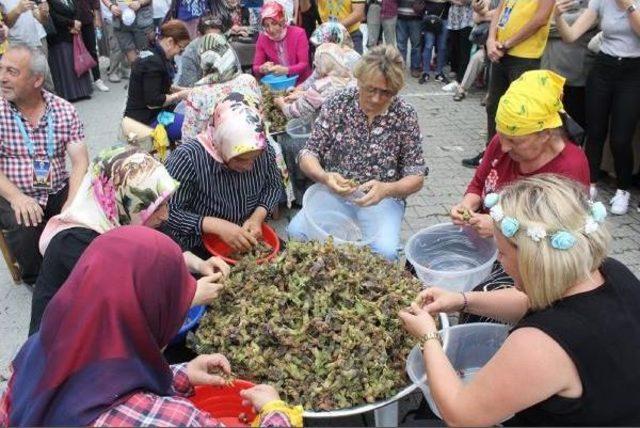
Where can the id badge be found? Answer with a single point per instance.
(505, 16)
(42, 173)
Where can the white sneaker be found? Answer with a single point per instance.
(101, 86)
(115, 77)
(620, 202)
(450, 87)
(593, 192)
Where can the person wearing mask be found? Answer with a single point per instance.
(38, 130)
(151, 89)
(97, 359)
(409, 29)
(370, 135)
(613, 87)
(281, 49)
(517, 38)
(123, 186)
(566, 360)
(436, 38)
(349, 13)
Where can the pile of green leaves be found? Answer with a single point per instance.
(272, 114)
(320, 323)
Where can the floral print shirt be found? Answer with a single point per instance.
(460, 17)
(386, 150)
(202, 101)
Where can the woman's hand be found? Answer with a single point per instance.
(435, 300)
(115, 10)
(280, 102)
(135, 5)
(338, 184)
(458, 214)
(279, 70)
(417, 321)
(259, 396)
(266, 67)
(563, 6)
(494, 50)
(236, 237)
(207, 289)
(212, 266)
(375, 191)
(483, 224)
(254, 227)
(77, 25)
(200, 368)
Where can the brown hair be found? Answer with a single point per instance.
(175, 29)
(383, 59)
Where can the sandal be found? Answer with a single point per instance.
(459, 96)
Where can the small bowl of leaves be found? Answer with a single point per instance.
(265, 251)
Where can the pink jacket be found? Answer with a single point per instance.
(297, 49)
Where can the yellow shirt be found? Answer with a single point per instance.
(515, 14)
(338, 9)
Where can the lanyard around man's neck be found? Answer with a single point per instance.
(29, 142)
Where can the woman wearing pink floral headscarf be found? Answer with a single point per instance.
(281, 48)
(229, 180)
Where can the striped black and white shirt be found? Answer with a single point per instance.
(210, 189)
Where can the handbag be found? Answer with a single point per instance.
(480, 34)
(82, 59)
(433, 23)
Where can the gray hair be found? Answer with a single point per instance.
(37, 59)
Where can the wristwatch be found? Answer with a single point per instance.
(632, 8)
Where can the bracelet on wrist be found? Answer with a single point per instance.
(432, 335)
(465, 303)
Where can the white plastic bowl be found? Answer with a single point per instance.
(299, 128)
(328, 214)
(468, 346)
(450, 256)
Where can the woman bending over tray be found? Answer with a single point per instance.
(572, 357)
(97, 359)
(367, 138)
(530, 141)
(123, 186)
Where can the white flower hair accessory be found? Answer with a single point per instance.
(496, 213)
(536, 233)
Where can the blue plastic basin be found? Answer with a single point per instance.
(190, 323)
(279, 83)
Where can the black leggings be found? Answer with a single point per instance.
(613, 96)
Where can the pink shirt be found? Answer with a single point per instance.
(497, 169)
(296, 50)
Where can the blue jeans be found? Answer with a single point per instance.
(356, 37)
(429, 42)
(409, 29)
(384, 219)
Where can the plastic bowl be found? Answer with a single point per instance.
(328, 214)
(219, 248)
(299, 128)
(224, 403)
(279, 83)
(468, 346)
(193, 319)
(450, 256)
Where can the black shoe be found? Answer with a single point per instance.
(424, 78)
(474, 161)
(442, 78)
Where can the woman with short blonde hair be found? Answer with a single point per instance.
(383, 59)
(570, 359)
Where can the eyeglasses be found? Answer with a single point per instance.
(371, 91)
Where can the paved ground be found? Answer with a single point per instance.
(451, 131)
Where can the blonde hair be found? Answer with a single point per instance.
(552, 203)
(383, 59)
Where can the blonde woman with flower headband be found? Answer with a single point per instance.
(571, 358)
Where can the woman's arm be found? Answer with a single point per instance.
(152, 91)
(301, 54)
(260, 56)
(539, 19)
(584, 22)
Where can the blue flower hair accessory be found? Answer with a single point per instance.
(598, 212)
(491, 199)
(509, 226)
(563, 240)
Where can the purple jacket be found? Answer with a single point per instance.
(296, 48)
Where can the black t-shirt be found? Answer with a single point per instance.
(438, 9)
(149, 84)
(600, 331)
(61, 256)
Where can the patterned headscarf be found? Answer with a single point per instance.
(123, 186)
(218, 60)
(275, 11)
(531, 104)
(237, 128)
(331, 32)
(330, 60)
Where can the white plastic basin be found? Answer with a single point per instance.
(450, 256)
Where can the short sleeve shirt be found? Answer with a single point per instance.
(338, 9)
(15, 161)
(387, 150)
(618, 37)
(26, 29)
(514, 15)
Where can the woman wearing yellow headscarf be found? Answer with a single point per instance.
(529, 141)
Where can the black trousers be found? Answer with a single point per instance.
(23, 240)
(88, 32)
(613, 109)
(501, 75)
(460, 51)
(575, 104)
